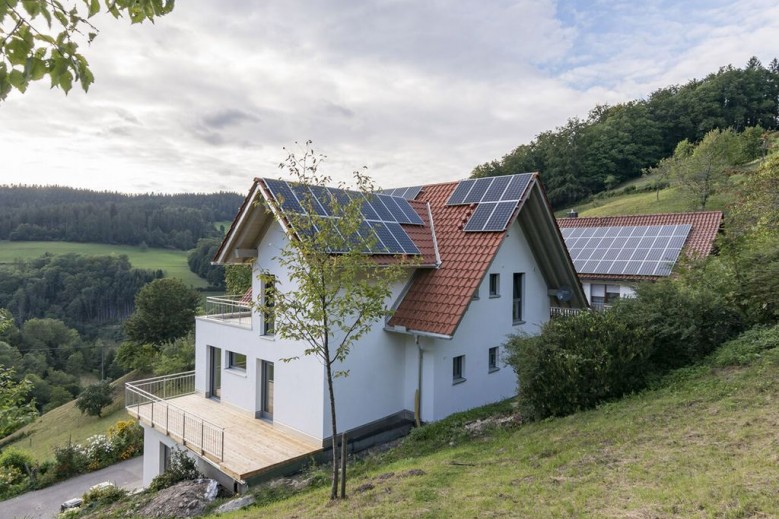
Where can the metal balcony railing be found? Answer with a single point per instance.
(148, 400)
(234, 310)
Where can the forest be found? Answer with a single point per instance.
(55, 213)
(618, 143)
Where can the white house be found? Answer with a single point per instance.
(613, 253)
(490, 263)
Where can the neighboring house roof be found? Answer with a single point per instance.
(700, 242)
(454, 260)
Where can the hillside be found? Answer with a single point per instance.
(704, 444)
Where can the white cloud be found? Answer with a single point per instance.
(419, 91)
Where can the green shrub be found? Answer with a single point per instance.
(181, 468)
(102, 495)
(18, 459)
(577, 362)
(747, 347)
(69, 460)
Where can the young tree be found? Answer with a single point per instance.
(38, 38)
(701, 169)
(336, 292)
(94, 398)
(16, 407)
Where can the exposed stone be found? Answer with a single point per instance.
(415, 472)
(386, 475)
(235, 504)
(185, 499)
(364, 488)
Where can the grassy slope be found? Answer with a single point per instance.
(66, 422)
(703, 445)
(172, 262)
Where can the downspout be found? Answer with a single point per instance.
(418, 395)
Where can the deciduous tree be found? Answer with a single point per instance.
(336, 292)
(41, 38)
(164, 311)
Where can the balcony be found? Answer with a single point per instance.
(233, 310)
(556, 311)
(239, 444)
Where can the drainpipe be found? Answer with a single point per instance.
(418, 395)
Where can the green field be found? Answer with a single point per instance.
(172, 262)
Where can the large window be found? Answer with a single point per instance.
(458, 369)
(236, 360)
(268, 319)
(516, 305)
(494, 285)
(603, 295)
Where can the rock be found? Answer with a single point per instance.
(235, 504)
(364, 488)
(415, 472)
(185, 499)
(386, 475)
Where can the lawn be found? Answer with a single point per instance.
(66, 423)
(702, 445)
(172, 262)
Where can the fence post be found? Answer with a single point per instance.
(202, 430)
(152, 413)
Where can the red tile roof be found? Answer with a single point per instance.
(438, 298)
(699, 244)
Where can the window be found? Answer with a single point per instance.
(268, 320)
(476, 293)
(516, 306)
(612, 294)
(493, 359)
(494, 285)
(458, 369)
(603, 295)
(236, 360)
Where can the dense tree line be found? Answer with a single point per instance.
(617, 143)
(80, 290)
(33, 213)
(199, 261)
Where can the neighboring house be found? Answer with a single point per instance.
(613, 253)
(490, 262)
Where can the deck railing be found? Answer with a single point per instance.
(230, 309)
(148, 400)
(556, 311)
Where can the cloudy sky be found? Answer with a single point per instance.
(417, 91)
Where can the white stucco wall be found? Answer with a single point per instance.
(152, 453)
(487, 323)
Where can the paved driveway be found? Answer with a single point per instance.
(45, 503)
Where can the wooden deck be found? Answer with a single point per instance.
(251, 446)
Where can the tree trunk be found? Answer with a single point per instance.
(328, 365)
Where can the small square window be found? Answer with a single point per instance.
(458, 369)
(493, 359)
(494, 285)
(236, 361)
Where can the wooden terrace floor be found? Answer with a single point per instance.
(251, 446)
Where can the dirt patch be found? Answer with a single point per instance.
(185, 499)
(479, 427)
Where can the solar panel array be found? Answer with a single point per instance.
(626, 250)
(497, 197)
(382, 214)
(409, 193)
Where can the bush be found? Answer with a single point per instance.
(18, 459)
(69, 460)
(747, 347)
(577, 362)
(127, 439)
(182, 468)
(94, 398)
(99, 451)
(102, 495)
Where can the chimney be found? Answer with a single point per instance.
(573, 214)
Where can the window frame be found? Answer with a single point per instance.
(493, 354)
(236, 366)
(458, 369)
(494, 280)
(268, 326)
(517, 305)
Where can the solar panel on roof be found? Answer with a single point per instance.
(500, 216)
(476, 193)
(496, 189)
(460, 191)
(412, 192)
(632, 250)
(517, 187)
(480, 216)
(379, 232)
